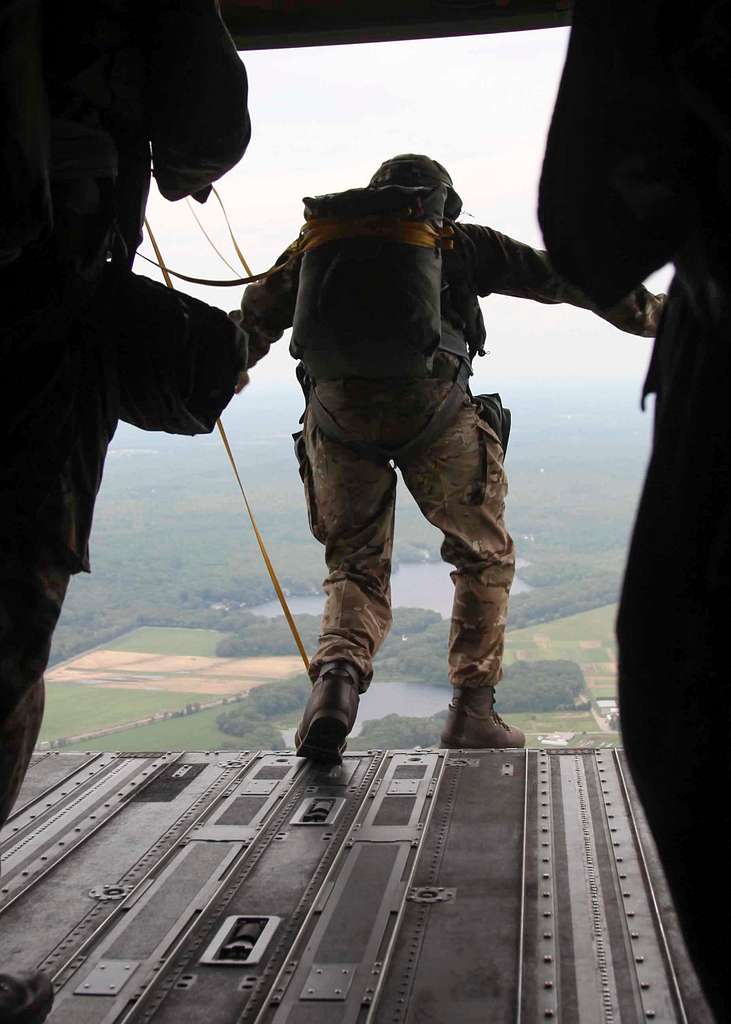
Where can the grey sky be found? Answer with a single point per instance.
(324, 119)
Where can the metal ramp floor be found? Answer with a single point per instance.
(407, 887)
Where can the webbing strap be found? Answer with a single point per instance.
(207, 237)
(321, 230)
(442, 418)
(211, 282)
(260, 540)
(239, 253)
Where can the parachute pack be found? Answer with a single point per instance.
(369, 296)
(369, 304)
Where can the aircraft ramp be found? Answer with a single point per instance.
(406, 887)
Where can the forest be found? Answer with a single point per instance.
(171, 545)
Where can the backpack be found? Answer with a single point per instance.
(369, 295)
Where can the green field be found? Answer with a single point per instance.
(164, 640)
(193, 732)
(581, 723)
(200, 732)
(72, 708)
(570, 638)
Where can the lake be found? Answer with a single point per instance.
(413, 585)
(414, 700)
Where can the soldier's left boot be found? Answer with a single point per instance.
(25, 998)
(329, 714)
(473, 723)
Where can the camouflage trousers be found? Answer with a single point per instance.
(30, 603)
(460, 486)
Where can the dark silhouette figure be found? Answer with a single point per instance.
(636, 175)
(89, 93)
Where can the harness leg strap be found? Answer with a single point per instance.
(436, 426)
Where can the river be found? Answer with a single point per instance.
(413, 585)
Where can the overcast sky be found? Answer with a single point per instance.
(324, 118)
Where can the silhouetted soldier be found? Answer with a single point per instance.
(637, 174)
(85, 90)
(375, 397)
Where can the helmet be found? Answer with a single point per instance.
(413, 169)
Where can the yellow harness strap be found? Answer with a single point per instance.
(260, 540)
(316, 232)
(321, 230)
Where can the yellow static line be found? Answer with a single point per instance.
(260, 540)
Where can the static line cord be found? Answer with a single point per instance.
(208, 238)
(264, 553)
(239, 253)
(260, 540)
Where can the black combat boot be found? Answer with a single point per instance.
(473, 722)
(25, 998)
(329, 714)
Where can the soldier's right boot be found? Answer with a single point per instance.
(25, 998)
(473, 723)
(329, 714)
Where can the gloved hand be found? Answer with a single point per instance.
(656, 314)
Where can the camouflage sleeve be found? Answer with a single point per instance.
(507, 267)
(267, 307)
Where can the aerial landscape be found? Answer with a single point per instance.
(176, 641)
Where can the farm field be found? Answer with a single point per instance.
(581, 726)
(168, 640)
(73, 709)
(154, 671)
(587, 639)
(192, 732)
(172, 661)
(200, 732)
(141, 675)
(188, 673)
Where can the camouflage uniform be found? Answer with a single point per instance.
(30, 604)
(460, 486)
(458, 482)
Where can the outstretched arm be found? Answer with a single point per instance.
(267, 308)
(507, 267)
